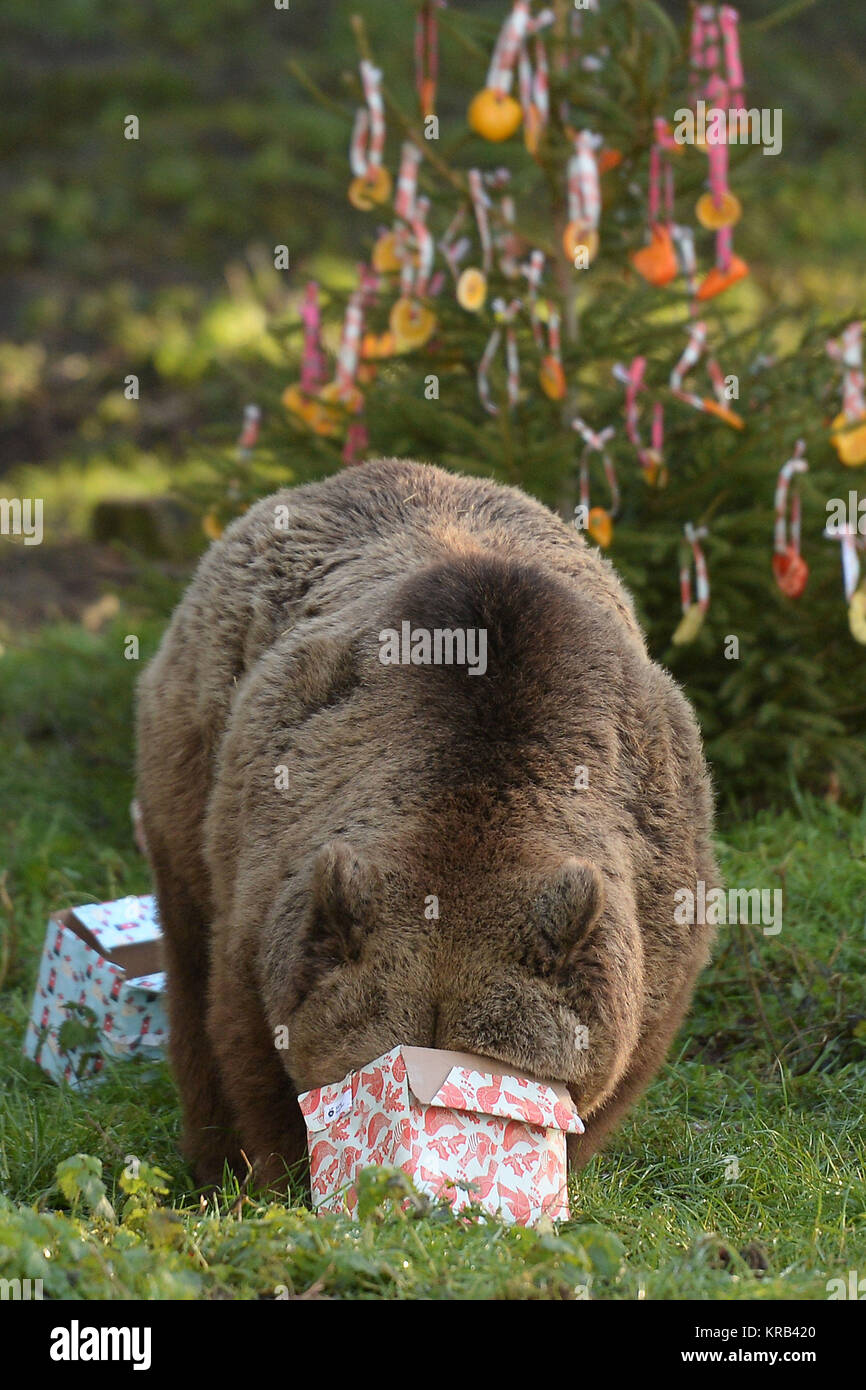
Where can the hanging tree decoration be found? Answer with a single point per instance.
(472, 285)
(493, 113)
(249, 434)
(313, 366)
(650, 457)
(388, 250)
(299, 397)
(453, 246)
(598, 520)
(716, 77)
(580, 238)
(544, 320)
(371, 184)
(427, 55)
(504, 316)
(508, 244)
(657, 262)
(684, 241)
(693, 612)
(855, 592)
(411, 321)
(691, 356)
(534, 82)
(789, 568)
(850, 443)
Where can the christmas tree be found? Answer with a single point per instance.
(550, 295)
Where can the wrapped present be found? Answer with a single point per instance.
(461, 1128)
(100, 991)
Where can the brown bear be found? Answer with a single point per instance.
(408, 775)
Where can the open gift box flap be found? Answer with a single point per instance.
(456, 1081)
(125, 933)
(463, 1081)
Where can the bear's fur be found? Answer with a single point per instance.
(312, 910)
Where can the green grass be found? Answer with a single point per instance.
(659, 1215)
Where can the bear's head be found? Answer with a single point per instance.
(538, 969)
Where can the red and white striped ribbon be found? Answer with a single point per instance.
(796, 464)
(368, 133)
(415, 277)
(313, 366)
(848, 350)
(505, 316)
(534, 82)
(633, 379)
(480, 204)
(705, 49)
(692, 354)
(427, 54)
(554, 341)
(407, 181)
(851, 543)
(350, 339)
(684, 242)
(453, 248)
(511, 36)
(715, 56)
(584, 186)
(728, 23)
(596, 442)
(249, 434)
(655, 187)
(347, 356)
(533, 269)
(693, 536)
(507, 244)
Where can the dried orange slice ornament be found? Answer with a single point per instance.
(494, 115)
(791, 571)
(850, 444)
(552, 379)
(857, 614)
(609, 159)
(689, 625)
(580, 235)
(717, 280)
(375, 346)
(657, 263)
(472, 289)
(298, 404)
(385, 258)
(599, 524)
(411, 323)
(532, 128)
(653, 469)
(721, 412)
(370, 189)
(726, 213)
(350, 401)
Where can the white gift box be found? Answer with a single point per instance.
(100, 990)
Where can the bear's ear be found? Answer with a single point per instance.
(344, 900)
(563, 916)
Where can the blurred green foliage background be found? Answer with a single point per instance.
(152, 256)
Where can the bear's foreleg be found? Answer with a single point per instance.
(269, 1122)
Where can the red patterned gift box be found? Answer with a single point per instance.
(457, 1124)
